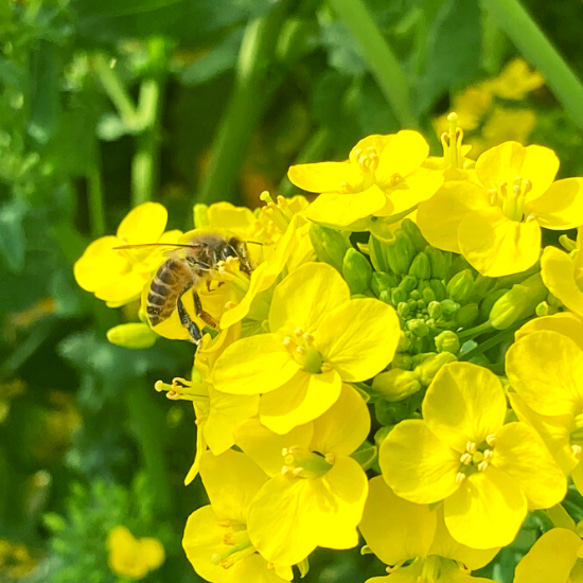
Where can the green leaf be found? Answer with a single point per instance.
(12, 235)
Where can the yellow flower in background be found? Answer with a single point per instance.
(318, 337)
(216, 539)
(383, 176)
(488, 474)
(414, 541)
(118, 276)
(316, 492)
(516, 80)
(556, 557)
(133, 558)
(495, 222)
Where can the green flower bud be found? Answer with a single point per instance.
(330, 245)
(420, 267)
(414, 234)
(408, 283)
(381, 281)
(420, 358)
(402, 360)
(357, 271)
(403, 309)
(447, 341)
(396, 384)
(404, 342)
(440, 262)
(418, 327)
(482, 286)
(385, 296)
(542, 309)
(429, 368)
(434, 309)
(398, 294)
(467, 315)
(201, 216)
(487, 303)
(428, 295)
(460, 286)
(449, 307)
(438, 289)
(133, 335)
(518, 303)
(415, 295)
(399, 253)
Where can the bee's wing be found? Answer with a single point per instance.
(155, 245)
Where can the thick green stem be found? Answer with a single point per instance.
(487, 344)
(147, 156)
(475, 331)
(379, 56)
(245, 106)
(511, 17)
(95, 196)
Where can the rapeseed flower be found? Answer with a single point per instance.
(118, 276)
(383, 176)
(413, 540)
(487, 473)
(316, 492)
(216, 537)
(317, 338)
(495, 221)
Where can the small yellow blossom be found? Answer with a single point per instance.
(487, 473)
(516, 80)
(383, 176)
(118, 276)
(133, 558)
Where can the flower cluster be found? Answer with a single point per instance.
(398, 361)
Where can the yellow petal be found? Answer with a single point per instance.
(231, 481)
(521, 454)
(551, 558)
(549, 386)
(486, 511)
(465, 402)
(125, 289)
(305, 296)
(417, 465)
(152, 552)
(497, 246)
(344, 209)
(324, 176)
(144, 224)
(100, 265)
(302, 399)
(409, 532)
(561, 207)
(253, 365)
(239, 220)
(564, 323)
(419, 186)
(309, 513)
(440, 216)
(331, 432)
(558, 274)
(400, 154)
(356, 351)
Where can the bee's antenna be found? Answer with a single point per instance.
(254, 243)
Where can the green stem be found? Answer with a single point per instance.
(144, 418)
(487, 344)
(536, 47)
(475, 331)
(116, 91)
(379, 56)
(95, 196)
(147, 156)
(245, 106)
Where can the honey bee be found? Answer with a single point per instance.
(185, 269)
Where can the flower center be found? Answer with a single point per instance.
(511, 198)
(238, 545)
(576, 435)
(301, 346)
(476, 458)
(183, 390)
(367, 160)
(301, 463)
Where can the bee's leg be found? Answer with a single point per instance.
(205, 316)
(186, 321)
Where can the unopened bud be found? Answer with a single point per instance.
(396, 384)
(460, 286)
(381, 281)
(467, 315)
(330, 245)
(447, 341)
(438, 289)
(414, 234)
(399, 253)
(429, 368)
(201, 217)
(135, 335)
(420, 266)
(440, 262)
(357, 271)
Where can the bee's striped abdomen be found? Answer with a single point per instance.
(172, 279)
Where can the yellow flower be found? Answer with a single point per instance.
(488, 474)
(554, 558)
(562, 273)
(495, 222)
(317, 338)
(383, 176)
(414, 541)
(216, 540)
(118, 276)
(516, 80)
(133, 558)
(316, 492)
(549, 390)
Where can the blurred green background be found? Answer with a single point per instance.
(105, 104)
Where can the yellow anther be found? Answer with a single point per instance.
(488, 453)
(395, 179)
(282, 201)
(308, 337)
(330, 458)
(471, 447)
(326, 367)
(270, 567)
(345, 187)
(297, 472)
(466, 459)
(491, 439)
(493, 197)
(482, 465)
(300, 350)
(298, 332)
(225, 523)
(265, 197)
(576, 449)
(460, 477)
